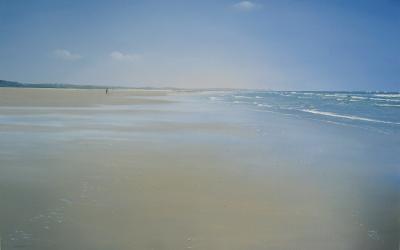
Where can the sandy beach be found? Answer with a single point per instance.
(158, 169)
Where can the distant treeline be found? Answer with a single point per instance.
(12, 84)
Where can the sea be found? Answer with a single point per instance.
(379, 111)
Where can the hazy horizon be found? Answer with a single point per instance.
(279, 45)
(138, 86)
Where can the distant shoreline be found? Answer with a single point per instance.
(14, 84)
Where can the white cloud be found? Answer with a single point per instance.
(119, 56)
(245, 6)
(66, 55)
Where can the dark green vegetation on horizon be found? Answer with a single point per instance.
(14, 84)
(4, 83)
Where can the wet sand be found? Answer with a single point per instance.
(42, 97)
(144, 169)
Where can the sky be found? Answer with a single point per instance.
(279, 45)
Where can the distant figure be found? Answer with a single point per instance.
(106, 91)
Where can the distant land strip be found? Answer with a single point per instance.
(12, 84)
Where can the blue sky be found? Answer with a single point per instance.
(283, 44)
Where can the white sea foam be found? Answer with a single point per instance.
(388, 105)
(263, 105)
(358, 97)
(335, 95)
(388, 95)
(237, 102)
(346, 116)
(242, 96)
(385, 99)
(339, 97)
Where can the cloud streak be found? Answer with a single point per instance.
(119, 56)
(245, 6)
(66, 55)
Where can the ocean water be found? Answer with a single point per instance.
(375, 110)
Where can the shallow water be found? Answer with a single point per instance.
(193, 172)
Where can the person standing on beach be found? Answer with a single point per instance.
(106, 91)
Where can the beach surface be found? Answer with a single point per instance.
(164, 169)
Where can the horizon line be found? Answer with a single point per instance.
(101, 86)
